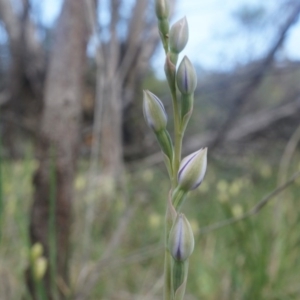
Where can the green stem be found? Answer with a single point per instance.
(177, 138)
(168, 164)
(52, 221)
(178, 198)
(40, 289)
(167, 276)
(1, 193)
(167, 265)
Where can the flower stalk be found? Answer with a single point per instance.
(187, 174)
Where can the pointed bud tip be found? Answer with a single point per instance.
(179, 35)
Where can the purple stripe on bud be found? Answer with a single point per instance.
(192, 170)
(185, 162)
(181, 239)
(186, 77)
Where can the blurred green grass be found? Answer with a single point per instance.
(254, 259)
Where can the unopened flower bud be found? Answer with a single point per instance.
(36, 251)
(179, 35)
(154, 112)
(186, 77)
(39, 268)
(192, 170)
(162, 9)
(181, 239)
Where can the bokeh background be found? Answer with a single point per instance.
(83, 187)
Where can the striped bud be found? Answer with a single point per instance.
(192, 170)
(154, 112)
(181, 239)
(186, 77)
(179, 35)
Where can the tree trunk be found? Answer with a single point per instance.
(58, 142)
(111, 137)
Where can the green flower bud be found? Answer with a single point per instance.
(36, 251)
(181, 239)
(192, 170)
(179, 35)
(154, 112)
(40, 268)
(162, 9)
(186, 77)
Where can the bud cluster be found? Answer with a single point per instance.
(188, 173)
(38, 262)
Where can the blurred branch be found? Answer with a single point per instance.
(89, 281)
(138, 52)
(4, 97)
(137, 256)
(255, 210)
(286, 158)
(28, 57)
(255, 79)
(10, 20)
(284, 165)
(214, 87)
(133, 38)
(10, 118)
(96, 130)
